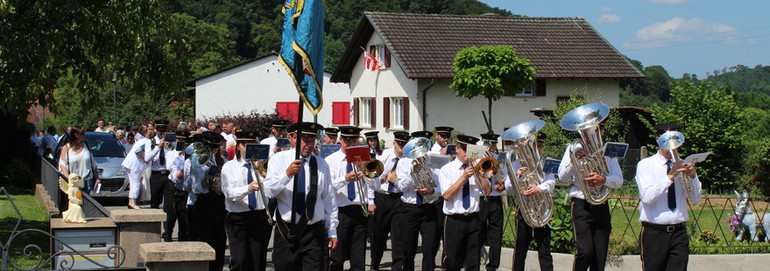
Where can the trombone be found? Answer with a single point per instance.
(371, 169)
(259, 172)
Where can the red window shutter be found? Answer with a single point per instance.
(386, 112)
(287, 110)
(356, 112)
(405, 105)
(373, 111)
(386, 58)
(341, 113)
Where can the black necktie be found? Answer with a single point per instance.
(466, 191)
(671, 190)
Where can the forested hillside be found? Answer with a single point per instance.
(255, 26)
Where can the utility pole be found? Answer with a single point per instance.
(114, 98)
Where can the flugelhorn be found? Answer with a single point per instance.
(537, 209)
(585, 120)
(670, 141)
(417, 150)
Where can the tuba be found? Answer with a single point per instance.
(585, 120)
(200, 155)
(670, 141)
(537, 209)
(417, 149)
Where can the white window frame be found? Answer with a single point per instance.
(397, 112)
(526, 91)
(365, 110)
(379, 54)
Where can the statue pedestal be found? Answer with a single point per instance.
(188, 256)
(136, 227)
(91, 239)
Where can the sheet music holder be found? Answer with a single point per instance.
(169, 137)
(551, 165)
(328, 149)
(615, 149)
(257, 151)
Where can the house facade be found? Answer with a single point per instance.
(263, 85)
(410, 92)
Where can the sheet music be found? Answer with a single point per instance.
(698, 157)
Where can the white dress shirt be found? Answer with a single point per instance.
(235, 186)
(280, 186)
(188, 182)
(407, 184)
(567, 174)
(436, 148)
(448, 175)
(388, 159)
(133, 162)
(337, 162)
(174, 164)
(652, 179)
(272, 141)
(156, 166)
(197, 175)
(229, 138)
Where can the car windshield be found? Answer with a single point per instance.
(105, 146)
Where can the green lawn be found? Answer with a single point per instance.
(34, 217)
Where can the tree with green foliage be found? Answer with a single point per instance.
(711, 121)
(490, 71)
(755, 175)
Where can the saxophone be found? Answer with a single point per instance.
(537, 209)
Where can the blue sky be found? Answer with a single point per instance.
(683, 36)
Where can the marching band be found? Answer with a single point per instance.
(323, 206)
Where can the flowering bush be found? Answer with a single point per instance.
(181, 109)
(734, 222)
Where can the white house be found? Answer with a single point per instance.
(263, 85)
(411, 92)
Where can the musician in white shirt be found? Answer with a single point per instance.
(462, 191)
(443, 136)
(492, 209)
(663, 240)
(248, 230)
(304, 226)
(278, 130)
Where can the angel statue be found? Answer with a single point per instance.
(74, 213)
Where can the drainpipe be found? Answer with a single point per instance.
(425, 103)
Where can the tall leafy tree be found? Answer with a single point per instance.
(490, 71)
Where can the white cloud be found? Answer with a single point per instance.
(609, 19)
(679, 30)
(668, 2)
(606, 9)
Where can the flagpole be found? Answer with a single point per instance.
(298, 144)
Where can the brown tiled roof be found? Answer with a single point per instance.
(425, 44)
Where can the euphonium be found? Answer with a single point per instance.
(585, 120)
(670, 141)
(417, 150)
(537, 209)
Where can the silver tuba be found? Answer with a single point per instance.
(417, 149)
(537, 209)
(670, 141)
(585, 120)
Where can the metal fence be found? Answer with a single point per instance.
(49, 176)
(718, 224)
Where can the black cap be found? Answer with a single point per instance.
(401, 137)
(350, 132)
(331, 131)
(182, 135)
(444, 130)
(212, 138)
(425, 134)
(307, 128)
(541, 136)
(467, 140)
(664, 127)
(246, 137)
(161, 123)
(492, 137)
(197, 138)
(280, 123)
(371, 135)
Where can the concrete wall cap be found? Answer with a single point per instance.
(137, 216)
(176, 252)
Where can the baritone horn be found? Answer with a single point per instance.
(537, 209)
(417, 150)
(672, 140)
(585, 120)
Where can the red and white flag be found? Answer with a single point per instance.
(370, 62)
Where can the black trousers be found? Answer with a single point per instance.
(176, 211)
(664, 250)
(462, 245)
(439, 205)
(351, 235)
(210, 225)
(591, 226)
(524, 235)
(492, 228)
(387, 204)
(410, 222)
(191, 225)
(170, 209)
(158, 180)
(249, 236)
(309, 255)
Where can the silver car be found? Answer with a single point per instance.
(109, 154)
